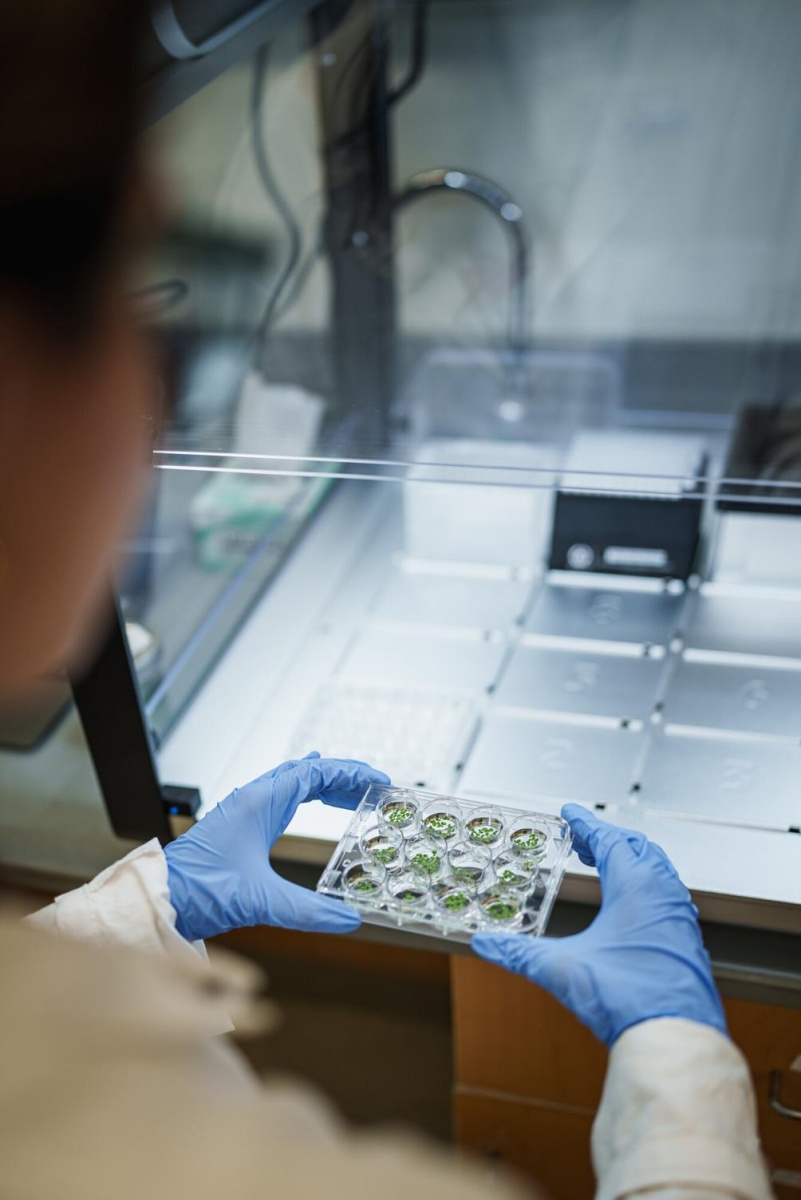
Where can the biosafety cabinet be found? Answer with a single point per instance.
(482, 341)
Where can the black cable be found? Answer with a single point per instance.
(303, 271)
(418, 55)
(362, 92)
(273, 191)
(352, 64)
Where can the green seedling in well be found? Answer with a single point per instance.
(427, 862)
(511, 877)
(364, 885)
(442, 824)
(410, 897)
(399, 816)
(385, 856)
(467, 874)
(484, 834)
(527, 840)
(501, 910)
(456, 901)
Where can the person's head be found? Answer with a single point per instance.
(74, 381)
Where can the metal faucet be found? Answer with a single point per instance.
(502, 204)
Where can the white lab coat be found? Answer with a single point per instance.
(114, 1085)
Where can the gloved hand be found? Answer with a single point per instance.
(219, 872)
(642, 957)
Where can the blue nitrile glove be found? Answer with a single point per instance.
(643, 955)
(219, 872)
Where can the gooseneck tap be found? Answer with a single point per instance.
(505, 208)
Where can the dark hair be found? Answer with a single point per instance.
(67, 130)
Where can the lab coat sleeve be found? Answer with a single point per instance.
(677, 1119)
(128, 904)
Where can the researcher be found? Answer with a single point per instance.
(116, 1077)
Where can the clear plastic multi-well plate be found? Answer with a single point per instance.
(447, 866)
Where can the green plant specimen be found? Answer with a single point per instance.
(456, 901)
(500, 910)
(388, 855)
(527, 839)
(364, 885)
(484, 834)
(427, 862)
(467, 874)
(511, 877)
(399, 816)
(442, 824)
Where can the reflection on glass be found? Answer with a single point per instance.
(536, 251)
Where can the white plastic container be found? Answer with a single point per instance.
(494, 507)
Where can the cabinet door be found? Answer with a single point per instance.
(514, 1038)
(550, 1145)
(770, 1039)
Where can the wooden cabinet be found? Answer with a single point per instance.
(529, 1078)
(549, 1143)
(516, 1039)
(770, 1039)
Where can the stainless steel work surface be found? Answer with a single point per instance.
(627, 618)
(422, 660)
(336, 578)
(726, 860)
(613, 687)
(754, 700)
(439, 600)
(731, 625)
(735, 780)
(526, 758)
